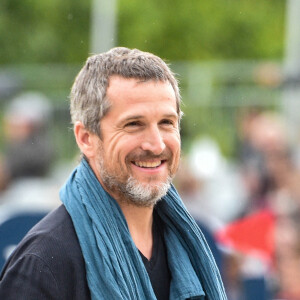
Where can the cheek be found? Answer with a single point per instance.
(175, 147)
(118, 154)
(176, 160)
(175, 144)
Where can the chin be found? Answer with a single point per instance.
(146, 194)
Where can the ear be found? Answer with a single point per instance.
(86, 141)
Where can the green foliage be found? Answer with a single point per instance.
(58, 31)
(201, 30)
(34, 31)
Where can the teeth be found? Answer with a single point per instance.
(147, 164)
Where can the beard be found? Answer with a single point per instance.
(136, 193)
(130, 190)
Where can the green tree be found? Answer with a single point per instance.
(201, 30)
(34, 31)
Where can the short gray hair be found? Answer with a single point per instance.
(88, 101)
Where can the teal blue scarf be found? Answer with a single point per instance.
(113, 264)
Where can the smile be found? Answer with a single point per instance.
(148, 164)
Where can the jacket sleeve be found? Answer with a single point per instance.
(28, 278)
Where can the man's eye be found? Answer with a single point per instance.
(132, 124)
(167, 122)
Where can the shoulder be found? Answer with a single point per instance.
(52, 239)
(50, 249)
(30, 277)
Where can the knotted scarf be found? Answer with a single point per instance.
(114, 267)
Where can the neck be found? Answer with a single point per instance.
(140, 220)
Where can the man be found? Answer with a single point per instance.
(28, 148)
(122, 231)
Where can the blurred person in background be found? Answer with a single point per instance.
(28, 150)
(212, 189)
(28, 157)
(210, 184)
(122, 231)
(286, 275)
(189, 187)
(267, 161)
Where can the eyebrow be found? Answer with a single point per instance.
(132, 118)
(174, 115)
(135, 117)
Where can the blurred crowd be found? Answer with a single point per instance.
(248, 207)
(251, 206)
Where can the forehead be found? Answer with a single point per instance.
(133, 91)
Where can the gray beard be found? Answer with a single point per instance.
(132, 191)
(144, 195)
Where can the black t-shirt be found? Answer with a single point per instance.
(157, 266)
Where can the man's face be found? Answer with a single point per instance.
(139, 150)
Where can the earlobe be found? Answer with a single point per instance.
(84, 139)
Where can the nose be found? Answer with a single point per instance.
(153, 141)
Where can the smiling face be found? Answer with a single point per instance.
(139, 150)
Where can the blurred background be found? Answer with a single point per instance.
(238, 63)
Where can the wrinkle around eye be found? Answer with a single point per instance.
(169, 124)
(133, 124)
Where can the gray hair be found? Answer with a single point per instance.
(88, 101)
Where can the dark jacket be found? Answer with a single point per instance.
(34, 271)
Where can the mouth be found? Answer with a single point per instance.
(148, 164)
